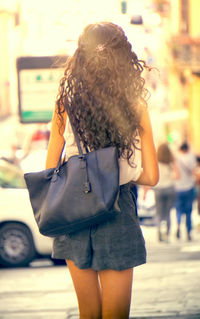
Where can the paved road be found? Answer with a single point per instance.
(160, 289)
(168, 286)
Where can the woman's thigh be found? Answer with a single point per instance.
(116, 293)
(87, 289)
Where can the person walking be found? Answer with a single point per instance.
(165, 191)
(197, 182)
(104, 90)
(186, 164)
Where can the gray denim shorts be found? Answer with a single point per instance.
(116, 244)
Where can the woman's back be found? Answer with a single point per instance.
(127, 172)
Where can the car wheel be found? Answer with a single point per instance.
(16, 245)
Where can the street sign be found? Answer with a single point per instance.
(38, 82)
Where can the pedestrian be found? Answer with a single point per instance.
(185, 187)
(165, 191)
(197, 180)
(103, 87)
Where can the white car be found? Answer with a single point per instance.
(146, 207)
(20, 240)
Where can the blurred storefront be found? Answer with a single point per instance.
(184, 69)
(9, 21)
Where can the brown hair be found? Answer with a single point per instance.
(103, 88)
(164, 154)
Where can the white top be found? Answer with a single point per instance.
(126, 172)
(166, 178)
(186, 163)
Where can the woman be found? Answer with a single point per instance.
(165, 191)
(103, 87)
(197, 182)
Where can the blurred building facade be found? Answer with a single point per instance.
(184, 69)
(8, 20)
(172, 44)
(35, 28)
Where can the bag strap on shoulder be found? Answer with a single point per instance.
(78, 143)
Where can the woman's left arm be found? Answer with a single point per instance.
(56, 141)
(150, 172)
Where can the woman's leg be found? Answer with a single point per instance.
(159, 212)
(87, 289)
(170, 201)
(179, 212)
(188, 210)
(116, 293)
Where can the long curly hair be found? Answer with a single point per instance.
(103, 88)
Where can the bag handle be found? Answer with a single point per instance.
(83, 164)
(77, 142)
(60, 161)
(76, 139)
(80, 150)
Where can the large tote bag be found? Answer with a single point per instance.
(76, 194)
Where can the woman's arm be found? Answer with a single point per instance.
(56, 141)
(150, 172)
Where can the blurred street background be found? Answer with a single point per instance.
(36, 37)
(162, 32)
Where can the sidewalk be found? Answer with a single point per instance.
(160, 290)
(167, 287)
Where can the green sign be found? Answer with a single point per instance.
(38, 83)
(39, 88)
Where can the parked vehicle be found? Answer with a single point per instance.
(146, 207)
(20, 240)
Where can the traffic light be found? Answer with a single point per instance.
(123, 7)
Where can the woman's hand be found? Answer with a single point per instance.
(150, 172)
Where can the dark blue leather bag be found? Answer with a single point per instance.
(76, 194)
